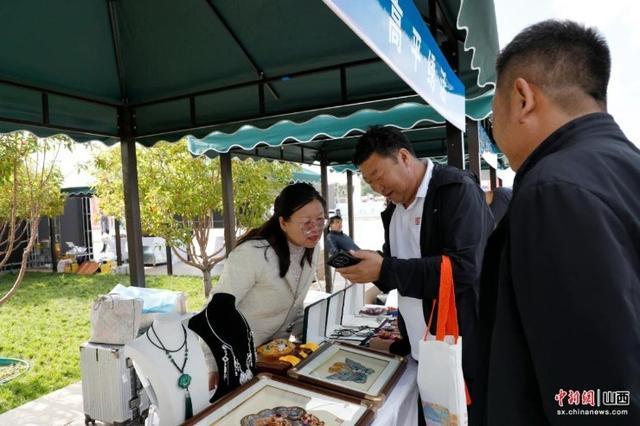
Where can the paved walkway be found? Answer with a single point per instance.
(62, 407)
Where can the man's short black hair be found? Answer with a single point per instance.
(333, 219)
(384, 141)
(560, 57)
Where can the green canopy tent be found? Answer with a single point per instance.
(329, 140)
(149, 70)
(306, 176)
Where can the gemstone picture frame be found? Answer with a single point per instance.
(267, 397)
(353, 370)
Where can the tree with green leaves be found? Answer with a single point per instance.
(180, 193)
(30, 186)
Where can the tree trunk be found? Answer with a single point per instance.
(25, 258)
(206, 278)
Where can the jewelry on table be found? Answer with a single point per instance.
(184, 380)
(244, 375)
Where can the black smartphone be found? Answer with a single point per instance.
(342, 259)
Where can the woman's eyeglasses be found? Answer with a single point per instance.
(311, 225)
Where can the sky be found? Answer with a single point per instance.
(617, 20)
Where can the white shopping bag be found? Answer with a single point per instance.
(440, 379)
(115, 319)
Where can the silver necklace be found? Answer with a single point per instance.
(245, 375)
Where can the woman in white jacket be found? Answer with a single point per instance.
(271, 268)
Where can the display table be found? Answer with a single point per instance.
(399, 409)
(394, 397)
(401, 406)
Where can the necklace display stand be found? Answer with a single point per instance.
(169, 358)
(228, 335)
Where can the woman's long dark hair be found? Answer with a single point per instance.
(291, 199)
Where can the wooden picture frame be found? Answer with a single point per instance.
(353, 370)
(257, 399)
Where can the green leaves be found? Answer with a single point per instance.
(27, 167)
(107, 170)
(179, 193)
(29, 189)
(255, 185)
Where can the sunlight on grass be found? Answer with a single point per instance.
(49, 318)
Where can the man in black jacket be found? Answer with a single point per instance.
(336, 239)
(560, 292)
(498, 201)
(434, 210)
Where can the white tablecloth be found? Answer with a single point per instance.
(401, 406)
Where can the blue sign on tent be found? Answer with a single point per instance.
(396, 32)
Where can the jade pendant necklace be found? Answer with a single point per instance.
(184, 380)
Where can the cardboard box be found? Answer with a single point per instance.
(107, 267)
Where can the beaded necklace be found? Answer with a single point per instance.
(185, 379)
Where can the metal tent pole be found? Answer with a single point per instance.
(118, 242)
(325, 193)
(473, 140)
(52, 243)
(228, 213)
(350, 203)
(455, 146)
(131, 196)
(493, 178)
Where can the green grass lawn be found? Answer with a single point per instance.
(48, 319)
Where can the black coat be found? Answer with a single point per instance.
(339, 241)
(456, 221)
(500, 203)
(560, 292)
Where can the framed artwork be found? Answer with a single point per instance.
(357, 371)
(267, 400)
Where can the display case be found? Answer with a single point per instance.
(343, 317)
(270, 399)
(315, 322)
(344, 321)
(353, 309)
(345, 368)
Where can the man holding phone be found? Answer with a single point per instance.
(434, 210)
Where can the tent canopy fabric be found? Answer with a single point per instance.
(333, 138)
(476, 25)
(491, 156)
(79, 191)
(193, 66)
(306, 175)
